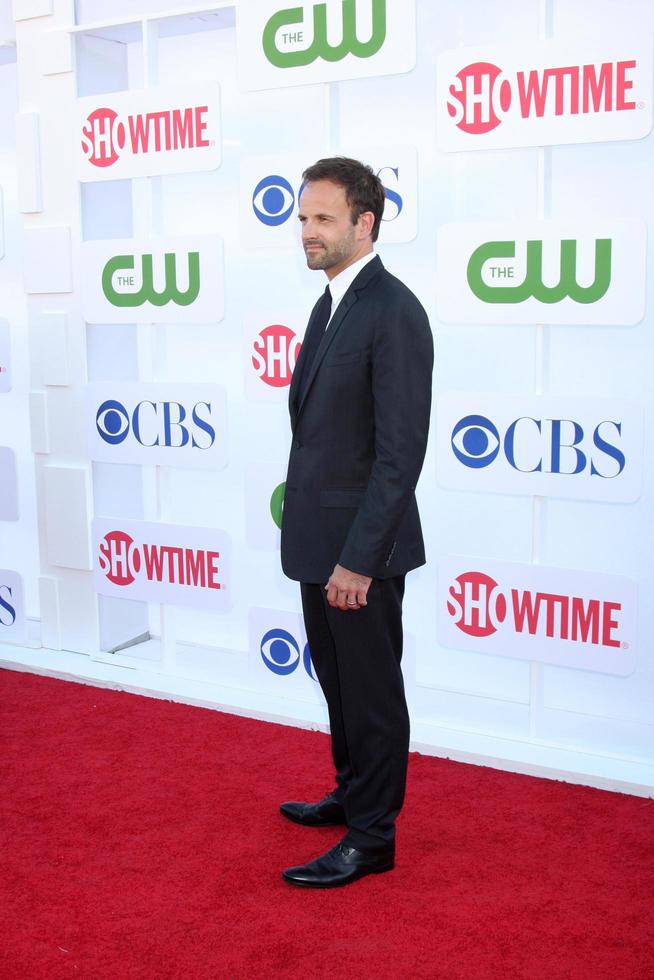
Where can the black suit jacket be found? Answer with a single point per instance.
(359, 436)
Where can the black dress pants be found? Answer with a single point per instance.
(356, 655)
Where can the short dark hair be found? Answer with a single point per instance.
(364, 191)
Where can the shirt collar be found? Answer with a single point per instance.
(340, 284)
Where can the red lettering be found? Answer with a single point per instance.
(535, 92)
(597, 90)
(552, 601)
(195, 568)
(104, 558)
(156, 119)
(560, 75)
(153, 562)
(585, 620)
(524, 607)
(175, 575)
(212, 568)
(200, 125)
(182, 128)
(609, 624)
(178, 129)
(622, 85)
(139, 133)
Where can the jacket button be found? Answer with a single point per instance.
(297, 444)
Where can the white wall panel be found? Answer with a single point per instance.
(5, 356)
(50, 617)
(51, 351)
(9, 501)
(26, 9)
(67, 497)
(39, 422)
(56, 52)
(28, 158)
(78, 611)
(47, 260)
(461, 710)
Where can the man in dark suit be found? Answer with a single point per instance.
(359, 403)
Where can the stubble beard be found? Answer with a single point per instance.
(331, 255)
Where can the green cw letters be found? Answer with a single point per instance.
(147, 293)
(320, 46)
(533, 282)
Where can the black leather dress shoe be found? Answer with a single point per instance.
(325, 813)
(340, 866)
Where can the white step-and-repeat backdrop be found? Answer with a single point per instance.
(159, 153)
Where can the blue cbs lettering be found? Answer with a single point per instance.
(7, 611)
(477, 442)
(165, 424)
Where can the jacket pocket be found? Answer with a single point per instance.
(341, 498)
(347, 357)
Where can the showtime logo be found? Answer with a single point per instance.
(272, 341)
(533, 612)
(104, 136)
(552, 92)
(482, 95)
(122, 561)
(153, 132)
(275, 352)
(165, 563)
(480, 608)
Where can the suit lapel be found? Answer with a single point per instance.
(294, 390)
(342, 310)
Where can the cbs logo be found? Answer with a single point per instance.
(166, 423)
(529, 445)
(281, 654)
(273, 199)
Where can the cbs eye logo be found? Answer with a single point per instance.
(112, 422)
(280, 653)
(273, 200)
(475, 441)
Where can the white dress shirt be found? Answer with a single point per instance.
(340, 284)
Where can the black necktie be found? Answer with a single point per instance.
(315, 335)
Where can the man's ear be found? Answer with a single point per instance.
(365, 224)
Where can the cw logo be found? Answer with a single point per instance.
(320, 46)
(533, 284)
(147, 293)
(277, 504)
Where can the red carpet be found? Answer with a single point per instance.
(141, 838)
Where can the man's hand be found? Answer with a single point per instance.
(347, 590)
